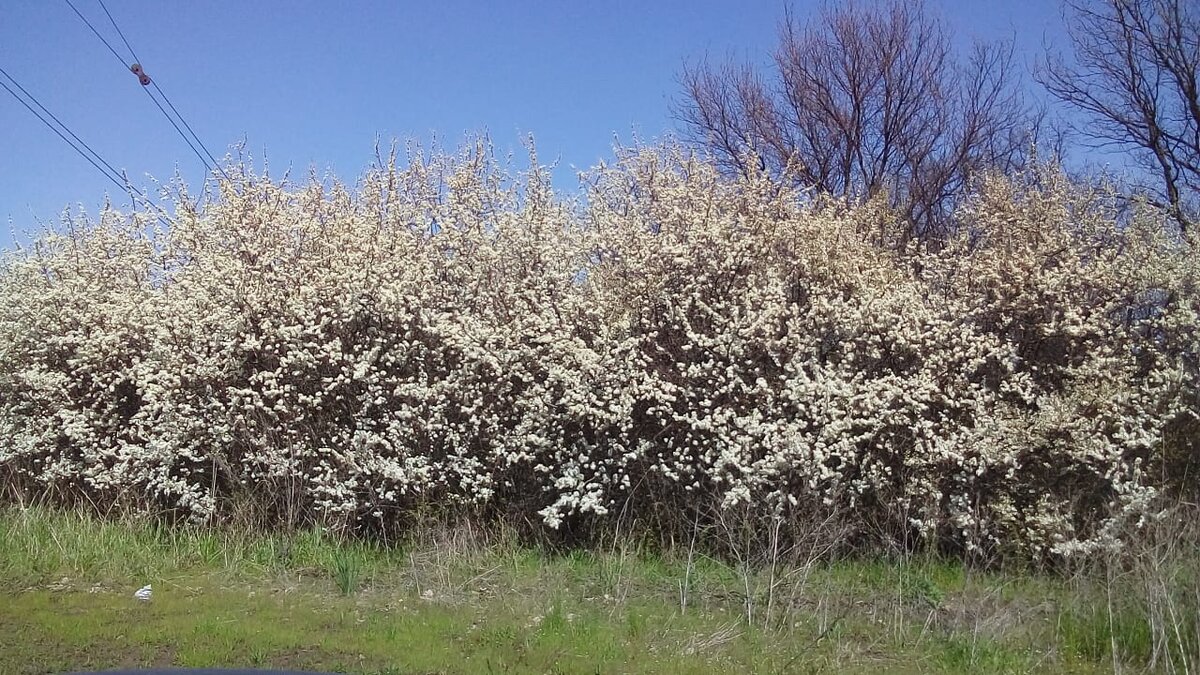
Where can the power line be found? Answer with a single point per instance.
(107, 169)
(60, 135)
(114, 24)
(180, 131)
(120, 59)
(154, 83)
(111, 171)
(89, 25)
(115, 53)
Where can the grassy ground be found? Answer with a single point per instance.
(455, 601)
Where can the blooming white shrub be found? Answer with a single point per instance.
(675, 344)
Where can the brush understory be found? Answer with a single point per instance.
(465, 600)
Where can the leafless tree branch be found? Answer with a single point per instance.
(1135, 76)
(867, 100)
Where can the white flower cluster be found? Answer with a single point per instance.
(679, 342)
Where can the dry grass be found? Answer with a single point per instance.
(477, 599)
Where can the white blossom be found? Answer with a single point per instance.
(444, 333)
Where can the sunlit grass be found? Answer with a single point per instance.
(455, 603)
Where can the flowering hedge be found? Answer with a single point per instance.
(676, 345)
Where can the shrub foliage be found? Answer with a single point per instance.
(677, 346)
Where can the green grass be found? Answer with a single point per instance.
(456, 601)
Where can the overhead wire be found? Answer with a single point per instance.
(95, 159)
(121, 60)
(154, 83)
(108, 169)
(97, 33)
(157, 88)
(203, 161)
(215, 166)
(121, 34)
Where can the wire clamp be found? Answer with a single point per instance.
(141, 74)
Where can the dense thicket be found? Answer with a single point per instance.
(680, 346)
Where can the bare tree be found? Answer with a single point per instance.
(868, 99)
(1134, 74)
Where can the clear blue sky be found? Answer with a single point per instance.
(314, 83)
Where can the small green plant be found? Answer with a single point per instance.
(922, 587)
(346, 570)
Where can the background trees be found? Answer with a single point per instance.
(1135, 78)
(871, 99)
(867, 99)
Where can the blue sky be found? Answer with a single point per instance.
(315, 83)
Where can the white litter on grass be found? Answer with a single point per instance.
(143, 593)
